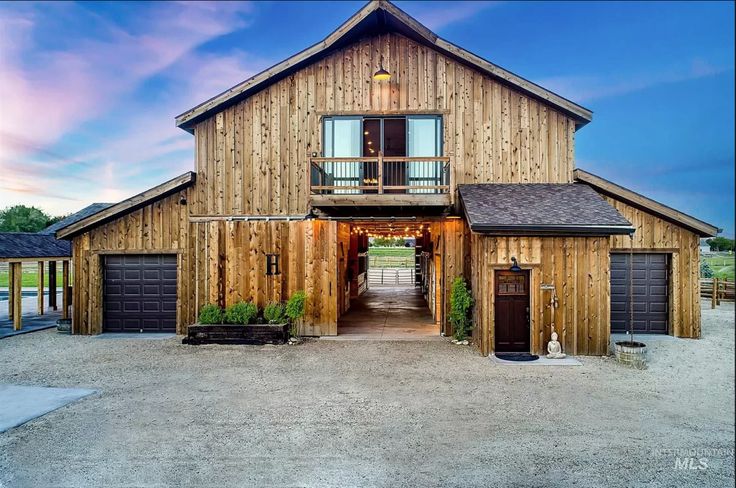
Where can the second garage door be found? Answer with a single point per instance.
(650, 292)
(140, 293)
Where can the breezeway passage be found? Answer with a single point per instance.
(366, 413)
(388, 313)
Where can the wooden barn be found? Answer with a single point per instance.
(384, 128)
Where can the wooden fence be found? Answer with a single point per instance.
(724, 290)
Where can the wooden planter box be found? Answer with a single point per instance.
(237, 334)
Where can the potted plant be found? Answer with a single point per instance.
(295, 309)
(235, 325)
(461, 303)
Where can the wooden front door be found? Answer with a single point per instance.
(512, 327)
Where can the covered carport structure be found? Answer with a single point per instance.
(17, 248)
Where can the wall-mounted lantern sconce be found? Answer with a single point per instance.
(272, 265)
(514, 265)
(381, 74)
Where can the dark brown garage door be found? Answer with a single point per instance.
(140, 293)
(650, 293)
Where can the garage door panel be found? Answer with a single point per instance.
(648, 285)
(140, 293)
(658, 326)
(657, 291)
(131, 274)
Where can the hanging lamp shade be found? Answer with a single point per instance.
(381, 74)
(514, 266)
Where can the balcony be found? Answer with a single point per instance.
(380, 181)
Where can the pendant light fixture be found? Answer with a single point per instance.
(381, 74)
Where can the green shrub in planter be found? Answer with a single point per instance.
(210, 314)
(295, 308)
(275, 313)
(241, 313)
(460, 304)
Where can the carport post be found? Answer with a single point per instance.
(11, 280)
(16, 295)
(65, 289)
(52, 285)
(40, 288)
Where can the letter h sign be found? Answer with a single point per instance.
(272, 264)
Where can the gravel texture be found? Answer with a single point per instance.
(328, 413)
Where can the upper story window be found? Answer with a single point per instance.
(405, 136)
(398, 154)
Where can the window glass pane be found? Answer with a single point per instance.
(347, 137)
(423, 138)
(327, 149)
(343, 142)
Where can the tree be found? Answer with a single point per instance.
(720, 244)
(21, 218)
(705, 270)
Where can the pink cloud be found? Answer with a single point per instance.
(51, 93)
(64, 88)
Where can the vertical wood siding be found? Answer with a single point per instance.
(657, 235)
(161, 227)
(578, 267)
(252, 157)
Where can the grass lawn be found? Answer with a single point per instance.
(723, 265)
(391, 257)
(30, 278)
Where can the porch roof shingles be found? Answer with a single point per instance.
(540, 209)
(32, 245)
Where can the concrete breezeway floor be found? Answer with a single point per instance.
(387, 313)
(371, 413)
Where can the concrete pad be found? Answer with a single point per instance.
(23, 403)
(153, 336)
(542, 361)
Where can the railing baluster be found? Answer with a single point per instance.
(380, 172)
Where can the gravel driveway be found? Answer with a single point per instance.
(330, 413)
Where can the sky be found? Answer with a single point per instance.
(89, 91)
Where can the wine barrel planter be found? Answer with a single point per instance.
(631, 353)
(64, 326)
(237, 334)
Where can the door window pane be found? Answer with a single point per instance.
(394, 145)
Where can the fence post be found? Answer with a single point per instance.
(713, 293)
(718, 293)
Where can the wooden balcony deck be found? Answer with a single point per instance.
(380, 181)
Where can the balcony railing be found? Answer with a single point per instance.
(380, 175)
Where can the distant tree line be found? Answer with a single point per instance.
(721, 244)
(388, 242)
(21, 218)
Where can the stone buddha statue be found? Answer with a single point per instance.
(554, 349)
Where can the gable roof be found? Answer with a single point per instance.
(376, 17)
(618, 192)
(75, 217)
(127, 206)
(540, 209)
(32, 245)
